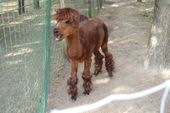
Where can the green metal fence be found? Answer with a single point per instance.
(24, 55)
(25, 51)
(87, 7)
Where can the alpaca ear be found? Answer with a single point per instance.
(83, 18)
(54, 16)
(56, 10)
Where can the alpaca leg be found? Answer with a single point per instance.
(73, 80)
(87, 77)
(109, 61)
(109, 64)
(98, 62)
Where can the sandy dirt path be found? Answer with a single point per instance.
(128, 37)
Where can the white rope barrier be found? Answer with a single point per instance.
(120, 97)
(164, 97)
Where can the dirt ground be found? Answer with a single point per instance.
(129, 29)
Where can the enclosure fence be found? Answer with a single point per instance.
(121, 97)
(24, 55)
(26, 50)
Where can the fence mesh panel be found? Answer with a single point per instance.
(22, 55)
(25, 49)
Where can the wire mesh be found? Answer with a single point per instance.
(22, 56)
(84, 6)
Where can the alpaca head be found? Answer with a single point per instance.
(67, 23)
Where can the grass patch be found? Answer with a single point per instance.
(147, 13)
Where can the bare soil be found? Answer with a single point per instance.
(129, 29)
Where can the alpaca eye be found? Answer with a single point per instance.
(68, 22)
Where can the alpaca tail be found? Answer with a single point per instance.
(109, 61)
(106, 35)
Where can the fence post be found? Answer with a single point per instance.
(98, 5)
(89, 8)
(62, 3)
(101, 3)
(36, 4)
(47, 54)
(139, 0)
(21, 6)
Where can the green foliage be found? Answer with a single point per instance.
(147, 13)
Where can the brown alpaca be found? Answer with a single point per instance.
(83, 39)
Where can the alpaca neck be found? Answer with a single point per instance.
(74, 47)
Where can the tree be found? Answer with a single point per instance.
(159, 35)
(21, 6)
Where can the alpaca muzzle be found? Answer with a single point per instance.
(57, 34)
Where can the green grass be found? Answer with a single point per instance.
(147, 13)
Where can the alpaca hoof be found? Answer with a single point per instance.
(96, 72)
(86, 93)
(74, 97)
(110, 73)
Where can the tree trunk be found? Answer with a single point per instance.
(159, 35)
(21, 6)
